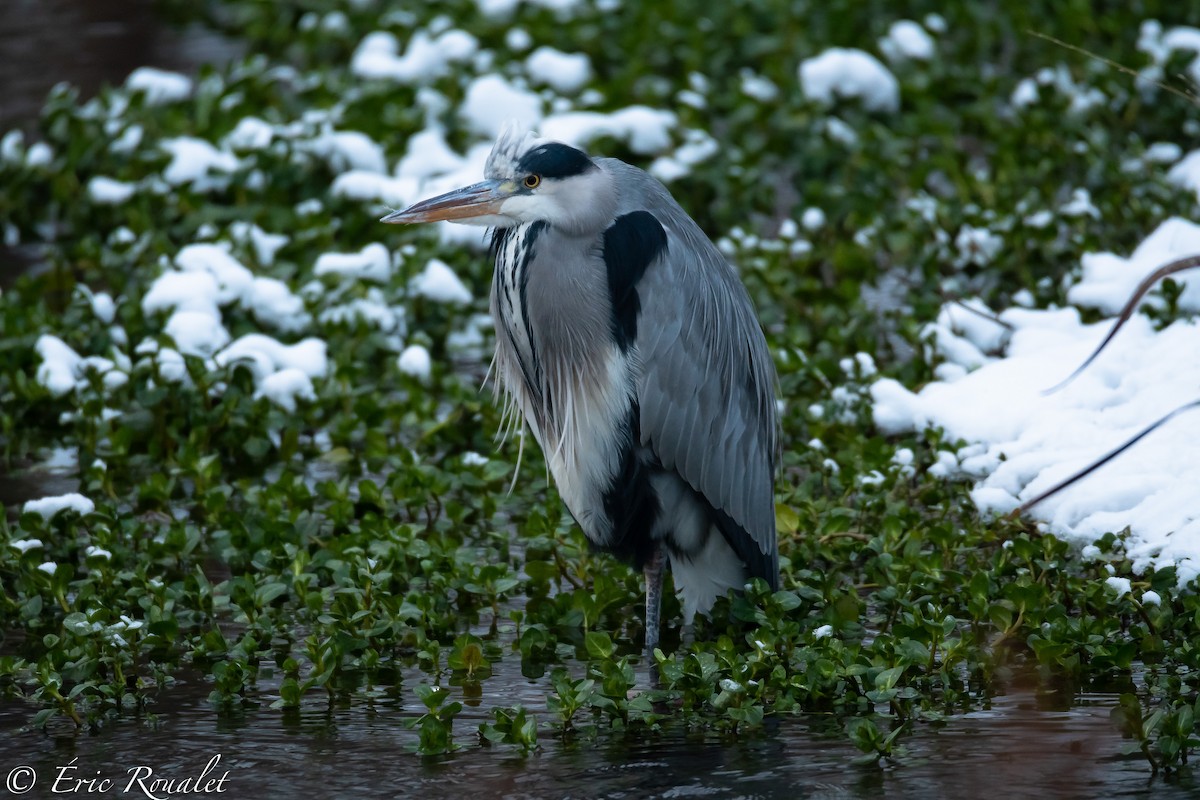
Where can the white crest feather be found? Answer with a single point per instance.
(514, 141)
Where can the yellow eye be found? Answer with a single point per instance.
(532, 181)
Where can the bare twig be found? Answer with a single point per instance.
(1095, 465)
(1130, 306)
(1190, 97)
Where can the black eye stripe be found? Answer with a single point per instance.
(555, 160)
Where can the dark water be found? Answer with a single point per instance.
(88, 43)
(52, 472)
(363, 750)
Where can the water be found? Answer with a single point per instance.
(362, 749)
(88, 43)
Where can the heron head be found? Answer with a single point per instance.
(527, 180)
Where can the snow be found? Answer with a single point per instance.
(849, 73)
(196, 333)
(1024, 441)
(497, 9)
(439, 283)
(1120, 585)
(128, 141)
(372, 263)
(1025, 94)
(93, 551)
(39, 154)
(1109, 280)
(564, 72)
(48, 507)
(25, 545)
(251, 133)
(233, 279)
(428, 155)
(415, 361)
(1160, 46)
(48, 567)
(518, 40)
(60, 365)
(1151, 598)
(1163, 153)
(372, 309)
(265, 245)
(426, 58)
(265, 355)
(285, 387)
(697, 148)
(171, 366)
(12, 146)
(813, 219)
(194, 160)
(366, 186)
(347, 150)
(1080, 205)
(906, 40)
(108, 191)
(103, 307)
(491, 102)
(1187, 172)
(272, 303)
(646, 130)
(188, 291)
(159, 86)
(210, 278)
(756, 87)
(976, 246)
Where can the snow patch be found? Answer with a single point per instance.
(1026, 441)
(564, 72)
(439, 283)
(48, 507)
(851, 74)
(426, 58)
(372, 263)
(159, 86)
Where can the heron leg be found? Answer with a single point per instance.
(654, 580)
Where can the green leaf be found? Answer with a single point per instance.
(598, 644)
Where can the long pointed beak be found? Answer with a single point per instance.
(477, 200)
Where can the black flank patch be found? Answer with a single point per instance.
(758, 564)
(630, 502)
(630, 245)
(554, 160)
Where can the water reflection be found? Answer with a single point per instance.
(360, 749)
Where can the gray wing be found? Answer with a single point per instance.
(707, 385)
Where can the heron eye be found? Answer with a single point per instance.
(532, 181)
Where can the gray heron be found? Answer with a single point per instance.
(631, 349)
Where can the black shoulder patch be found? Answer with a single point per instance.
(630, 246)
(555, 160)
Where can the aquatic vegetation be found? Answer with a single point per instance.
(287, 474)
